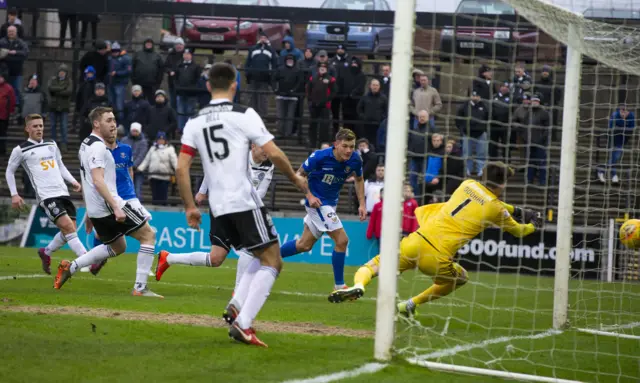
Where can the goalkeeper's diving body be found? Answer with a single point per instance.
(445, 228)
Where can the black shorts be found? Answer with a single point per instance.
(56, 207)
(109, 229)
(250, 230)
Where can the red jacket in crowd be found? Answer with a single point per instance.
(7, 101)
(409, 221)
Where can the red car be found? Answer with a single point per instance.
(221, 33)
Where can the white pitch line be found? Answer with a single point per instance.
(471, 346)
(607, 333)
(620, 326)
(19, 276)
(368, 368)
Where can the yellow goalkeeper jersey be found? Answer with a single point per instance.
(471, 209)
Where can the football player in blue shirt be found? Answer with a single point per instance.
(326, 171)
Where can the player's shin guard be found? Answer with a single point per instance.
(145, 262)
(258, 292)
(197, 258)
(56, 243)
(242, 289)
(288, 249)
(75, 244)
(95, 255)
(337, 261)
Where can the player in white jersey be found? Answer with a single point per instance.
(43, 163)
(261, 175)
(222, 133)
(111, 216)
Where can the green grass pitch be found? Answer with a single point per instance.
(93, 330)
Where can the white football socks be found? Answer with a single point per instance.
(258, 292)
(95, 255)
(75, 244)
(244, 260)
(197, 258)
(244, 285)
(57, 242)
(145, 262)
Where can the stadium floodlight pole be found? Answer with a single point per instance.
(402, 63)
(567, 178)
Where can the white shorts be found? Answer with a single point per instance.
(135, 204)
(322, 220)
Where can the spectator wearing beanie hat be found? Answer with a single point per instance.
(472, 119)
(119, 75)
(98, 58)
(138, 109)
(148, 69)
(163, 118)
(186, 83)
(139, 147)
(484, 83)
(160, 164)
(262, 60)
(288, 81)
(321, 91)
(171, 63)
(99, 98)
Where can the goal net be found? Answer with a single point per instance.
(501, 322)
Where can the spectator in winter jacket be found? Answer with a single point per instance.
(381, 138)
(163, 118)
(453, 167)
(369, 159)
(99, 98)
(521, 83)
(289, 48)
(139, 148)
(537, 136)
(288, 83)
(321, 91)
(352, 84)
(322, 57)
(12, 20)
(471, 120)
(120, 71)
(621, 125)
(85, 91)
(385, 79)
(340, 64)
(501, 137)
(520, 118)
(34, 99)
(98, 59)
(160, 162)
(173, 60)
(138, 109)
(483, 85)
(261, 61)
(204, 97)
(418, 147)
(308, 62)
(307, 65)
(186, 82)
(147, 69)
(550, 94)
(372, 188)
(7, 107)
(14, 60)
(372, 109)
(433, 173)
(426, 98)
(60, 91)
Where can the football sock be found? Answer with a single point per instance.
(337, 261)
(363, 276)
(95, 255)
(57, 242)
(289, 249)
(434, 292)
(244, 260)
(258, 292)
(197, 258)
(75, 244)
(145, 261)
(242, 289)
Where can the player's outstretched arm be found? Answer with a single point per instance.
(504, 220)
(281, 162)
(523, 215)
(14, 162)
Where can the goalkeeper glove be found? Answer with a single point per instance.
(527, 216)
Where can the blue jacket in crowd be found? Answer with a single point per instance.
(434, 165)
(297, 53)
(122, 66)
(622, 127)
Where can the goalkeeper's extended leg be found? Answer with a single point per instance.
(444, 284)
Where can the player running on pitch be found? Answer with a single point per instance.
(445, 228)
(261, 176)
(111, 216)
(42, 161)
(222, 134)
(123, 157)
(326, 170)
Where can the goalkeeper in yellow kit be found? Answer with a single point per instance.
(445, 228)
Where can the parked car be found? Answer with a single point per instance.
(503, 43)
(355, 36)
(223, 33)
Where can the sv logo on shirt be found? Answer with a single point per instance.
(49, 164)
